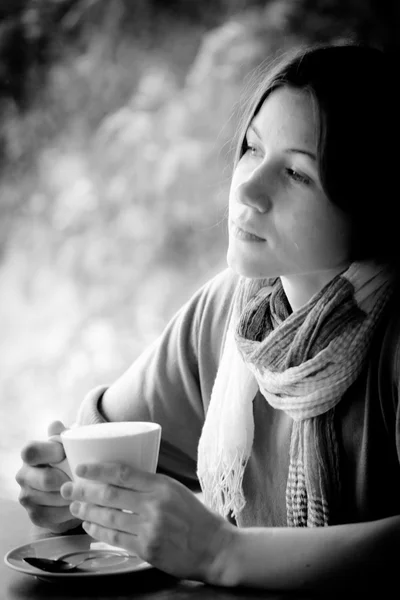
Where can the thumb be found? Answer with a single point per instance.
(55, 428)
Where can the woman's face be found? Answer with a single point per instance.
(280, 219)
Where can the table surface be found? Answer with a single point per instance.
(16, 529)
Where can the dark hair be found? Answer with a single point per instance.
(355, 94)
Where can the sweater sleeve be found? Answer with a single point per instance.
(171, 381)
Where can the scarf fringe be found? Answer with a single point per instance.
(222, 487)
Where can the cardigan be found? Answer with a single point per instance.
(171, 382)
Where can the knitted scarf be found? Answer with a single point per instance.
(302, 362)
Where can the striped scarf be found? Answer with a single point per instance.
(302, 362)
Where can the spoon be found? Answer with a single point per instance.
(58, 565)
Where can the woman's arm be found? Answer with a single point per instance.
(173, 378)
(171, 381)
(337, 558)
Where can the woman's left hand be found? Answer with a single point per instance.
(167, 525)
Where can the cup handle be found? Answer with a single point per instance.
(63, 465)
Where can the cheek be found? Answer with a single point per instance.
(325, 240)
(316, 230)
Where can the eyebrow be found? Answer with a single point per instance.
(288, 150)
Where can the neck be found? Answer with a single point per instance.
(300, 288)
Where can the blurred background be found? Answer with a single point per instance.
(116, 126)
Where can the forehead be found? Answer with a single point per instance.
(288, 116)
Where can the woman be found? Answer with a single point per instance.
(276, 385)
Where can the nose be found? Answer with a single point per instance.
(254, 191)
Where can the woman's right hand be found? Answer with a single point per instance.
(40, 482)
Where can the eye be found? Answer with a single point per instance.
(250, 149)
(298, 177)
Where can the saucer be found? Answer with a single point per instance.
(74, 548)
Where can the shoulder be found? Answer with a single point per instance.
(224, 281)
(209, 310)
(205, 315)
(220, 289)
(214, 299)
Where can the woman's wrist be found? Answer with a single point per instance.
(224, 569)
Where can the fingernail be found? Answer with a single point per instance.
(66, 490)
(86, 526)
(75, 507)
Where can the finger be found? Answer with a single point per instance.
(119, 474)
(42, 479)
(106, 517)
(110, 496)
(55, 428)
(114, 537)
(41, 453)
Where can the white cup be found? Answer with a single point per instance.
(135, 443)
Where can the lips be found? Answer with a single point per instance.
(244, 232)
